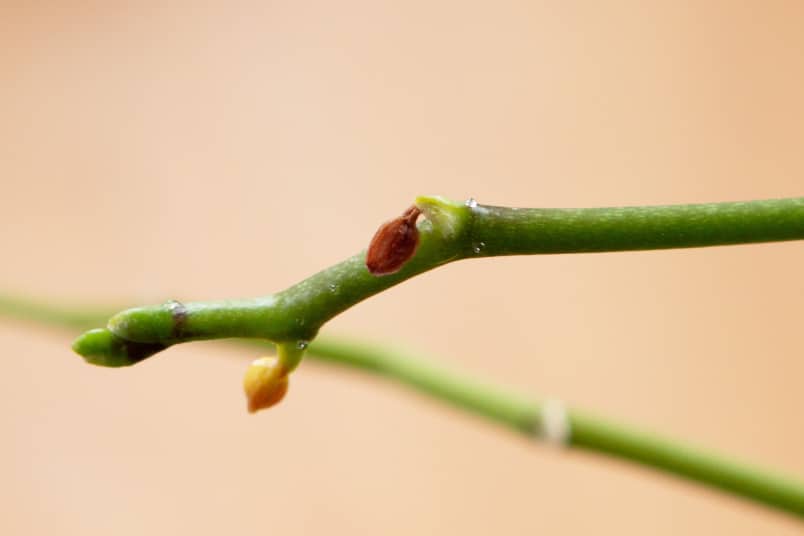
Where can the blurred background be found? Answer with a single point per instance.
(201, 150)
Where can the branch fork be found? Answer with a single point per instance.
(453, 231)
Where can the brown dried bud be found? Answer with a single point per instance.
(393, 244)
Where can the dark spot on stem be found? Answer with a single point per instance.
(179, 313)
(137, 351)
(393, 244)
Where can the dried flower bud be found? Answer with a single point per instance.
(393, 244)
(265, 383)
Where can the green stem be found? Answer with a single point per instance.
(515, 412)
(524, 415)
(738, 478)
(453, 231)
(507, 231)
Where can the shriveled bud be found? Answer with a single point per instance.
(265, 383)
(393, 244)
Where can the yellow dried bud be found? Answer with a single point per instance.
(265, 383)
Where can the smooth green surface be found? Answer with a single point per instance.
(510, 410)
(591, 433)
(756, 483)
(425, 376)
(456, 231)
(507, 231)
(100, 347)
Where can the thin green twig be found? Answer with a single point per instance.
(452, 231)
(519, 413)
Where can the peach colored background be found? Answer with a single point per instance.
(221, 149)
